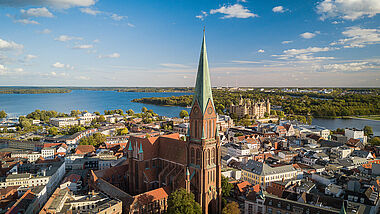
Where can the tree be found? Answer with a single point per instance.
(144, 109)
(183, 114)
(182, 202)
(53, 131)
(3, 114)
(226, 187)
(368, 131)
(122, 131)
(266, 115)
(130, 112)
(375, 141)
(231, 208)
(101, 119)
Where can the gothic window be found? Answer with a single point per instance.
(192, 155)
(195, 129)
(213, 156)
(205, 130)
(208, 157)
(200, 129)
(209, 129)
(198, 157)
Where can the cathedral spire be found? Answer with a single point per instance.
(203, 91)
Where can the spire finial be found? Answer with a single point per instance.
(204, 29)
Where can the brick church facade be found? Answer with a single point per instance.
(166, 163)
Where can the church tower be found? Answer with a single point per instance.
(203, 142)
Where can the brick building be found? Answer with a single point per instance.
(168, 162)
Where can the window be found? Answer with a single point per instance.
(198, 157)
(213, 156)
(192, 155)
(208, 157)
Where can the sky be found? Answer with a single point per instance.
(271, 43)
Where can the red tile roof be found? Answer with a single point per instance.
(84, 149)
(243, 185)
(74, 178)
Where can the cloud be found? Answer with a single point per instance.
(286, 42)
(348, 9)
(131, 25)
(36, 12)
(359, 37)
(234, 11)
(26, 21)
(245, 62)
(118, 17)
(65, 38)
(172, 65)
(30, 57)
(3, 69)
(61, 65)
(202, 16)
(60, 4)
(9, 45)
(113, 55)
(44, 31)
(306, 50)
(344, 67)
(260, 51)
(308, 35)
(83, 47)
(279, 9)
(22, 20)
(90, 11)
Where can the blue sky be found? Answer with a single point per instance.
(273, 43)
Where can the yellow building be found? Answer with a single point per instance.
(257, 172)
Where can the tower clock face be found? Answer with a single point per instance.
(209, 110)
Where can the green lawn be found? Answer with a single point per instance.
(370, 117)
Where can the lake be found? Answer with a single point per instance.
(22, 104)
(333, 124)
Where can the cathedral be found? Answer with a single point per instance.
(157, 166)
(255, 110)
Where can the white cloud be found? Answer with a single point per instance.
(65, 38)
(131, 25)
(348, 9)
(44, 31)
(308, 35)
(114, 55)
(306, 50)
(61, 4)
(83, 46)
(279, 9)
(26, 21)
(234, 11)
(261, 51)
(3, 69)
(202, 15)
(344, 67)
(90, 11)
(245, 62)
(36, 12)
(117, 17)
(172, 65)
(61, 65)
(9, 45)
(30, 57)
(286, 42)
(96, 41)
(58, 65)
(359, 37)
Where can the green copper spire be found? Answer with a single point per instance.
(130, 146)
(203, 91)
(141, 149)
